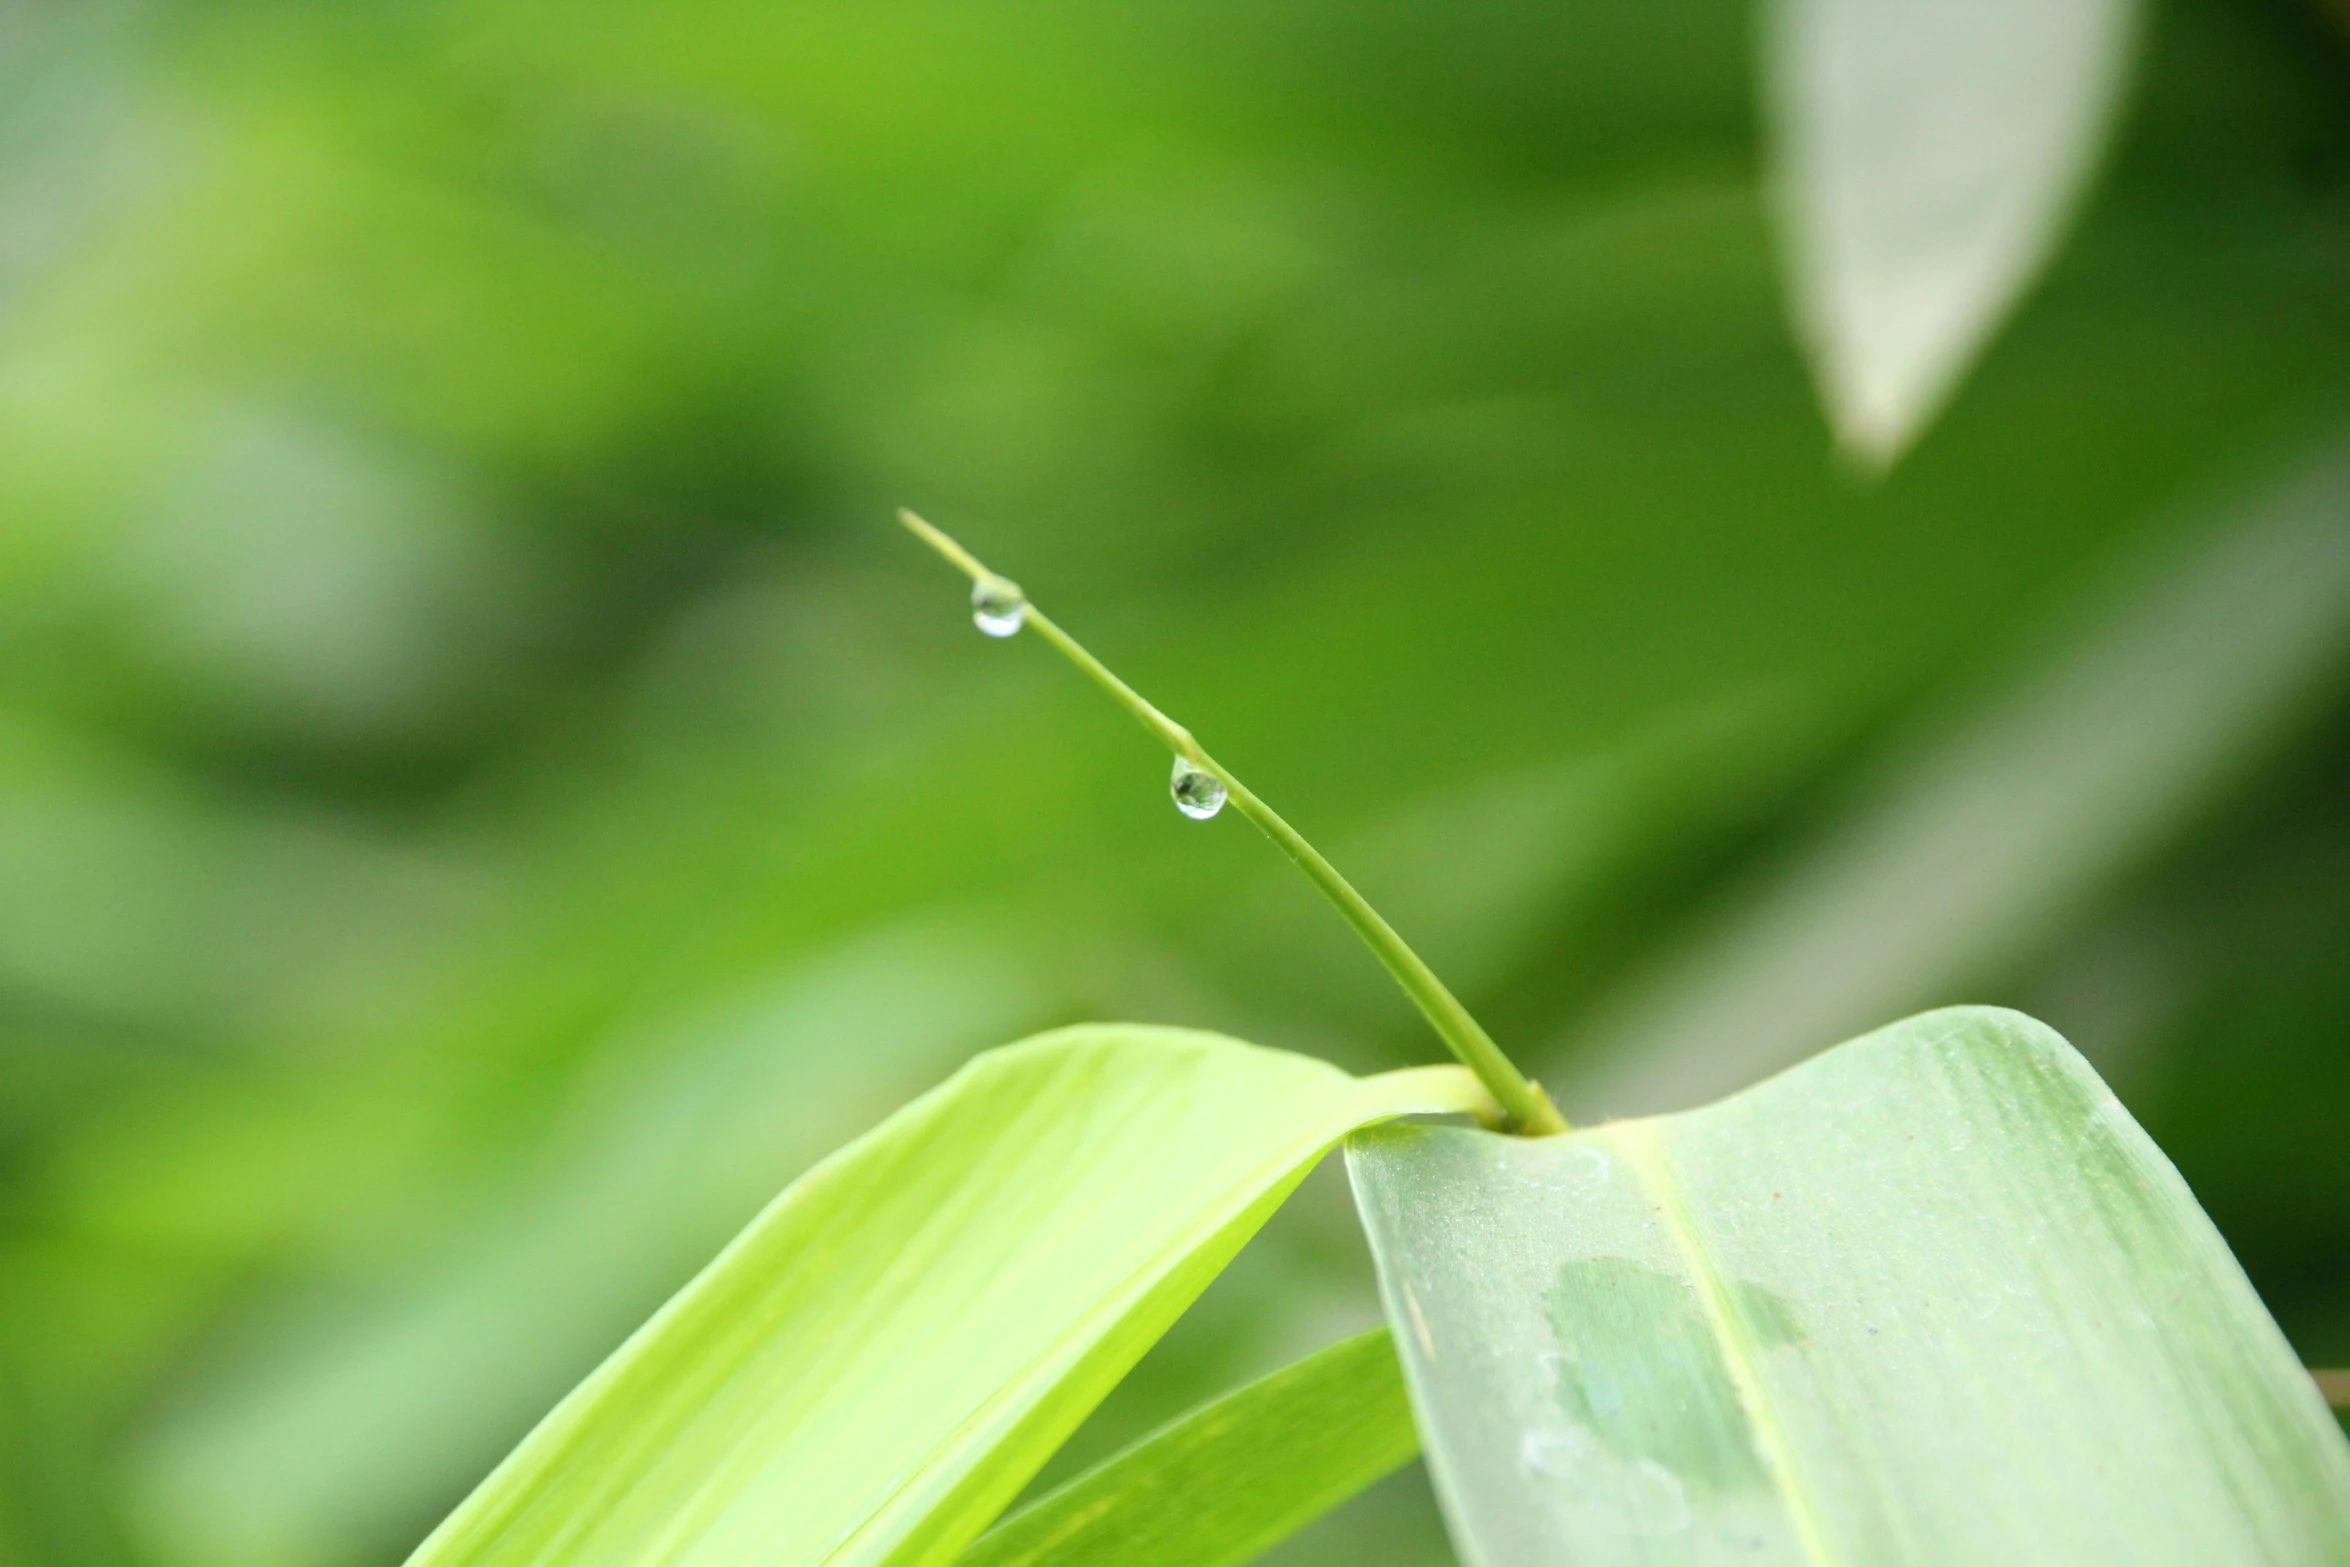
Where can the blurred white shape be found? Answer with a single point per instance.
(1928, 153)
(1969, 855)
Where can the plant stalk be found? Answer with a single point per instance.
(1529, 1109)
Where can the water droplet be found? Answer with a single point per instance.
(1199, 794)
(998, 607)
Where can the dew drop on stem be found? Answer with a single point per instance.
(1199, 794)
(998, 607)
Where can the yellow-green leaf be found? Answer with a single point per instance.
(1930, 1298)
(873, 1368)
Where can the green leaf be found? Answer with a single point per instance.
(1230, 1478)
(873, 1368)
(1931, 1297)
(1929, 152)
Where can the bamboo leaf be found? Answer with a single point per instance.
(1229, 1479)
(1932, 1297)
(873, 1368)
(1928, 154)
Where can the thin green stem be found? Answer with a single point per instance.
(1528, 1107)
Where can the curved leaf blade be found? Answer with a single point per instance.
(879, 1362)
(1929, 152)
(1230, 1478)
(1932, 1297)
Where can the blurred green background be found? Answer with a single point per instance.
(487, 794)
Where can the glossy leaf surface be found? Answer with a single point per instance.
(881, 1360)
(1932, 1297)
(1929, 152)
(1229, 1479)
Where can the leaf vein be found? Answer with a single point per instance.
(1638, 1143)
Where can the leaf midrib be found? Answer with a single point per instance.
(1638, 1144)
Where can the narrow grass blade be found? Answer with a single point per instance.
(1930, 1298)
(886, 1355)
(1929, 152)
(2199, 662)
(1229, 1479)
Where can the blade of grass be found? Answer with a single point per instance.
(2195, 663)
(1529, 1109)
(1229, 1479)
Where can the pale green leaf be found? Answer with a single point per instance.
(1929, 152)
(873, 1368)
(1932, 1297)
(1232, 1477)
